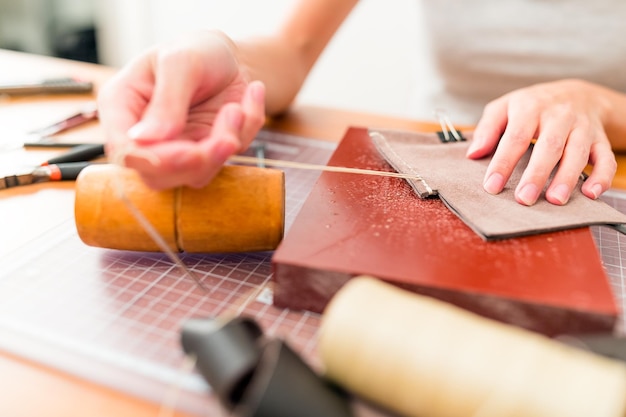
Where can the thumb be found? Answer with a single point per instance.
(166, 113)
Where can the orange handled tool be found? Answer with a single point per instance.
(241, 210)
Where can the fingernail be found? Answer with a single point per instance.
(494, 183)
(473, 145)
(596, 190)
(528, 194)
(476, 148)
(560, 193)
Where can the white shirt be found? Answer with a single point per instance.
(483, 49)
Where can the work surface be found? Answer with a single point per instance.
(113, 317)
(78, 325)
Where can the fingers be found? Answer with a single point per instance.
(253, 105)
(571, 162)
(563, 144)
(164, 118)
(556, 132)
(577, 154)
(195, 163)
(565, 117)
(604, 168)
(177, 113)
(489, 129)
(188, 162)
(122, 100)
(515, 140)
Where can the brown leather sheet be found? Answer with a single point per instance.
(445, 171)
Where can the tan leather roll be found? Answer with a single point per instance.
(241, 210)
(418, 357)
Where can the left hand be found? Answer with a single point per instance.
(566, 119)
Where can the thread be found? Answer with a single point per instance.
(122, 149)
(251, 160)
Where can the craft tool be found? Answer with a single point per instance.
(42, 137)
(242, 209)
(66, 85)
(55, 172)
(447, 128)
(79, 153)
(64, 167)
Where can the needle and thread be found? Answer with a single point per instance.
(118, 159)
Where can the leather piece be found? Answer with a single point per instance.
(254, 376)
(445, 171)
(349, 225)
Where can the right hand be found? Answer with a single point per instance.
(177, 112)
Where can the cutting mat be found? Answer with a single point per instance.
(612, 247)
(114, 317)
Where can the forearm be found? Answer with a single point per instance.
(278, 66)
(615, 120)
(284, 60)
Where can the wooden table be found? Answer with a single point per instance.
(30, 389)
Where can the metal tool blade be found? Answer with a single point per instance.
(11, 181)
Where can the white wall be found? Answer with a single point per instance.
(373, 64)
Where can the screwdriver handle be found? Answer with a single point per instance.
(77, 154)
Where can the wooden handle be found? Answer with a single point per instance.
(420, 357)
(241, 210)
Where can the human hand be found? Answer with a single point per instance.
(566, 118)
(186, 105)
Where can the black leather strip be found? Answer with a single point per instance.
(258, 377)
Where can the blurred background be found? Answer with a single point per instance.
(374, 64)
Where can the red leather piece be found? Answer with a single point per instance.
(353, 224)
